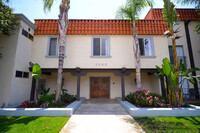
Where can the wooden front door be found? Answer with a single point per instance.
(99, 87)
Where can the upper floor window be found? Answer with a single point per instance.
(146, 47)
(26, 34)
(179, 52)
(100, 46)
(53, 46)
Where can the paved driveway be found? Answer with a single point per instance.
(101, 116)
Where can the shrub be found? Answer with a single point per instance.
(27, 104)
(144, 98)
(47, 100)
(67, 98)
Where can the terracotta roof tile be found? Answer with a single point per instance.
(101, 27)
(184, 14)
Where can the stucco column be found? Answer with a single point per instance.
(123, 87)
(78, 88)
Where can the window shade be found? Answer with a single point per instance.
(96, 46)
(53, 47)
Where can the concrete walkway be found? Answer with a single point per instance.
(101, 116)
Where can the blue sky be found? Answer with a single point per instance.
(80, 9)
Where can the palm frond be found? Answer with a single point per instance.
(132, 9)
(48, 4)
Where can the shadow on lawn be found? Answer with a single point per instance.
(7, 121)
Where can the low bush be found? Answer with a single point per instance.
(67, 98)
(48, 100)
(27, 104)
(144, 98)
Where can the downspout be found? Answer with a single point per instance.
(189, 45)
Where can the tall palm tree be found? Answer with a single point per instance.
(63, 25)
(171, 17)
(131, 11)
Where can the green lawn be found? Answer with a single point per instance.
(169, 124)
(27, 124)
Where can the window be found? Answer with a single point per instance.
(41, 84)
(21, 74)
(53, 47)
(179, 52)
(100, 46)
(146, 47)
(26, 34)
(26, 75)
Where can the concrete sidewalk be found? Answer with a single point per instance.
(94, 116)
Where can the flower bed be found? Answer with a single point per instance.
(47, 101)
(144, 98)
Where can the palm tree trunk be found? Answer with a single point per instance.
(176, 65)
(36, 93)
(63, 25)
(137, 61)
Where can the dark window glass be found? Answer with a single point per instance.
(25, 33)
(96, 47)
(26, 75)
(30, 37)
(19, 74)
(141, 45)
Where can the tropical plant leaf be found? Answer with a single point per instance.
(36, 71)
(166, 66)
(191, 80)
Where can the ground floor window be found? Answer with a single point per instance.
(41, 85)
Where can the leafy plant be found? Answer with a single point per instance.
(47, 99)
(171, 17)
(44, 91)
(36, 73)
(169, 75)
(8, 22)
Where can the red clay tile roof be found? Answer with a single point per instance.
(101, 27)
(184, 14)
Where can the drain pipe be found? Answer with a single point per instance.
(189, 45)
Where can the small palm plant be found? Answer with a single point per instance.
(171, 17)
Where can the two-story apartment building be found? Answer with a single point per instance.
(99, 58)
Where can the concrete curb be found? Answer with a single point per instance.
(68, 111)
(156, 112)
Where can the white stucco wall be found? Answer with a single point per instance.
(21, 87)
(16, 56)
(195, 41)
(8, 46)
(78, 52)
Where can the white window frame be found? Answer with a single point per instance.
(108, 47)
(48, 47)
(153, 49)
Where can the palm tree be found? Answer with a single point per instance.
(131, 11)
(63, 25)
(171, 17)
